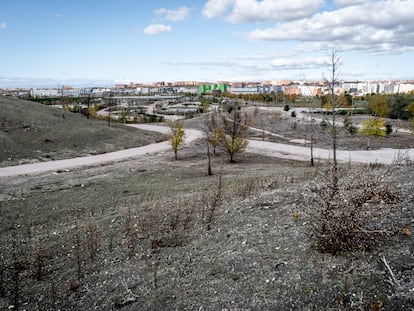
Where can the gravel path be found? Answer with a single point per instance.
(286, 151)
(60, 165)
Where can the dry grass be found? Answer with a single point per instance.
(134, 235)
(33, 132)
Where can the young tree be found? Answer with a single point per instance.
(176, 136)
(331, 104)
(373, 127)
(345, 99)
(233, 133)
(110, 101)
(210, 128)
(311, 132)
(215, 139)
(334, 62)
(87, 101)
(378, 105)
(411, 123)
(410, 109)
(398, 104)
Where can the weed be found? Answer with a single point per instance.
(78, 251)
(346, 217)
(215, 202)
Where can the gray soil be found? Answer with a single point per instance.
(301, 128)
(151, 233)
(31, 132)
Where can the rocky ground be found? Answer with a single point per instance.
(151, 233)
(31, 132)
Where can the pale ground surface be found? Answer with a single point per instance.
(284, 151)
(147, 216)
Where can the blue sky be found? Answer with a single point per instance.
(73, 42)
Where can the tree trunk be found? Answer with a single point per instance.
(209, 172)
(311, 148)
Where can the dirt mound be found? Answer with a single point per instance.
(31, 132)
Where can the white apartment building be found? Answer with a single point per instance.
(45, 92)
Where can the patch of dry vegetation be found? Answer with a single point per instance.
(165, 235)
(33, 132)
(153, 233)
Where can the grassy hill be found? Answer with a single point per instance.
(31, 132)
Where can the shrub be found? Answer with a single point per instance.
(347, 120)
(388, 128)
(286, 107)
(352, 129)
(346, 215)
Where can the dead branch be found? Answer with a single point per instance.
(125, 285)
(394, 280)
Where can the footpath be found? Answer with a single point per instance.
(285, 151)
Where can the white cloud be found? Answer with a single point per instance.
(217, 8)
(298, 63)
(3, 25)
(344, 3)
(174, 15)
(375, 26)
(257, 65)
(155, 29)
(245, 11)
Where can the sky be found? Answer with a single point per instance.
(49, 43)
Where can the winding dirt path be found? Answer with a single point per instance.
(385, 156)
(50, 166)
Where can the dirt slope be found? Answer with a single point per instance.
(31, 132)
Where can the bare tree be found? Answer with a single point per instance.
(110, 101)
(311, 127)
(87, 100)
(331, 82)
(210, 128)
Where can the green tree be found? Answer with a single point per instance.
(412, 124)
(378, 106)
(410, 109)
(345, 100)
(233, 132)
(398, 104)
(176, 136)
(373, 127)
(411, 112)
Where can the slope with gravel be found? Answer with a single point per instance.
(31, 132)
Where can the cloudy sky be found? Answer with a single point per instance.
(51, 42)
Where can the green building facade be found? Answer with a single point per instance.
(209, 88)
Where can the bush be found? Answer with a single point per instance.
(346, 214)
(286, 107)
(293, 114)
(352, 129)
(388, 128)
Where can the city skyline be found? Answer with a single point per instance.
(46, 43)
